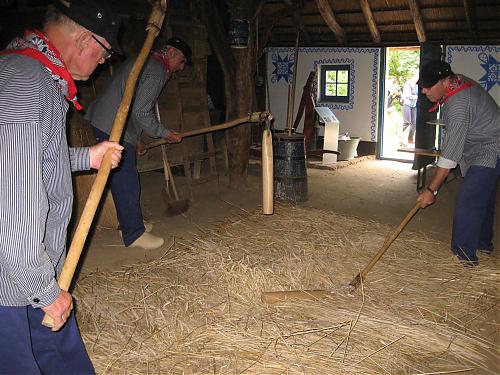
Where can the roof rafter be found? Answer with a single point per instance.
(370, 20)
(327, 13)
(299, 25)
(470, 16)
(417, 19)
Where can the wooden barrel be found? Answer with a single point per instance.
(290, 173)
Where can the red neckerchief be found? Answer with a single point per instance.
(458, 84)
(162, 57)
(38, 47)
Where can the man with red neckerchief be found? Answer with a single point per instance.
(472, 141)
(37, 74)
(161, 65)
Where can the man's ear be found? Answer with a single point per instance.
(82, 40)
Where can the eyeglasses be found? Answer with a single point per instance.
(107, 51)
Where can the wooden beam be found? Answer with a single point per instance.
(370, 20)
(258, 9)
(268, 22)
(327, 13)
(417, 19)
(470, 16)
(299, 24)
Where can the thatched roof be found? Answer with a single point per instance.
(382, 22)
(339, 23)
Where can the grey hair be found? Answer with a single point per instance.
(54, 17)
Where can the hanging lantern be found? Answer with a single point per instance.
(238, 33)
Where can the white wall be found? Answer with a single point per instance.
(359, 117)
(481, 63)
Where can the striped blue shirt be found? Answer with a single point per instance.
(102, 112)
(35, 182)
(472, 120)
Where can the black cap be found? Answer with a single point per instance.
(182, 46)
(96, 16)
(433, 72)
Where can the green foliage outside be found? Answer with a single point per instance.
(342, 89)
(336, 82)
(401, 64)
(331, 76)
(331, 89)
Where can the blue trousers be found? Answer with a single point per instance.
(126, 191)
(27, 347)
(473, 218)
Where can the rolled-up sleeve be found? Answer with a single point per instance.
(446, 163)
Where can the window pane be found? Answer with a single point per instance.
(342, 89)
(335, 83)
(331, 76)
(343, 76)
(330, 89)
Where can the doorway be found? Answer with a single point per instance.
(398, 128)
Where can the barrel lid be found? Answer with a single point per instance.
(289, 137)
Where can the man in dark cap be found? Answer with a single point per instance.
(472, 141)
(125, 185)
(37, 74)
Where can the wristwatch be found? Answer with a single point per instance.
(434, 192)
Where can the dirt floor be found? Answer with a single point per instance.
(370, 189)
(384, 191)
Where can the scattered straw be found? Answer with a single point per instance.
(198, 309)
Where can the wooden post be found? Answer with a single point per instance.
(291, 94)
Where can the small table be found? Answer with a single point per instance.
(422, 172)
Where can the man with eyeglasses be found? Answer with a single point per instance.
(37, 84)
(161, 65)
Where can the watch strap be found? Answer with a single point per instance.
(434, 192)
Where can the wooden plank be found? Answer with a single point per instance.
(197, 169)
(327, 13)
(417, 19)
(211, 153)
(420, 151)
(470, 16)
(370, 20)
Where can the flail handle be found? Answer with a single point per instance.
(389, 240)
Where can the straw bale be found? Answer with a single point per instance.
(198, 309)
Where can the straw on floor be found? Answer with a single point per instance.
(198, 309)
